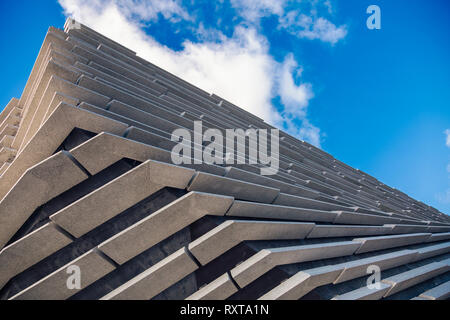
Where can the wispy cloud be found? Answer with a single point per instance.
(310, 27)
(447, 137)
(237, 67)
(133, 9)
(254, 10)
(302, 23)
(295, 99)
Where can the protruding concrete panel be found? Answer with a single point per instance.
(7, 154)
(4, 167)
(385, 242)
(232, 232)
(358, 268)
(410, 278)
(441, 292)
(9, 130)
(91, 267)
(13, 103)
(329, 231)
(365, 293)
(105, 149)
(303, 282)
(54, 71)
(50, 136)
(262, 262)
(209, 183)
(345, 217)
(142, 116)
(221, 288)
(433, 250)
(70, 24)
(305, 202)
(242, 175)
(29, 250)
(155, 279)
(163, 223)
(58, 98)
(435, 229)
(258, 210)
(404, 228)
(39, 184)
(6, 141)
(118, 195)
(439, 237)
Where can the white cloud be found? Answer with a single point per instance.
(328, 6)
(295, 21)
(254, 10)
(135, 9)
(238, 68)
(310, 27)
(295, 99)
(447, 137)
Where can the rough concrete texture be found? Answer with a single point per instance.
(86, 176)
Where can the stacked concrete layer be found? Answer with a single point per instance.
(87, 181)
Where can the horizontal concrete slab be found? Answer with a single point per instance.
(385, 242)
(432, 250)
(441, 292)
(438, 229)
(307, 202)
(38, 185)
(209, 183)
(118, 195)
(439, 237)
(232, 232)
(345, 217)
(262, 262)
(329, 231)
(155, 279)
(29, 250)
(91, 267)
(258, 210)
(358, 268)
(105, 149)
(284, 187)
(303, 282)
(403, 228)
(365, 293)
(219, 289)
(412, 277)
(163, 223)
(50, 136)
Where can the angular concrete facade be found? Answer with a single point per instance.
(87, 182)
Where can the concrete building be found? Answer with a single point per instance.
(92, 206)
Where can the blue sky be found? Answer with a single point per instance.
(379, 100)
